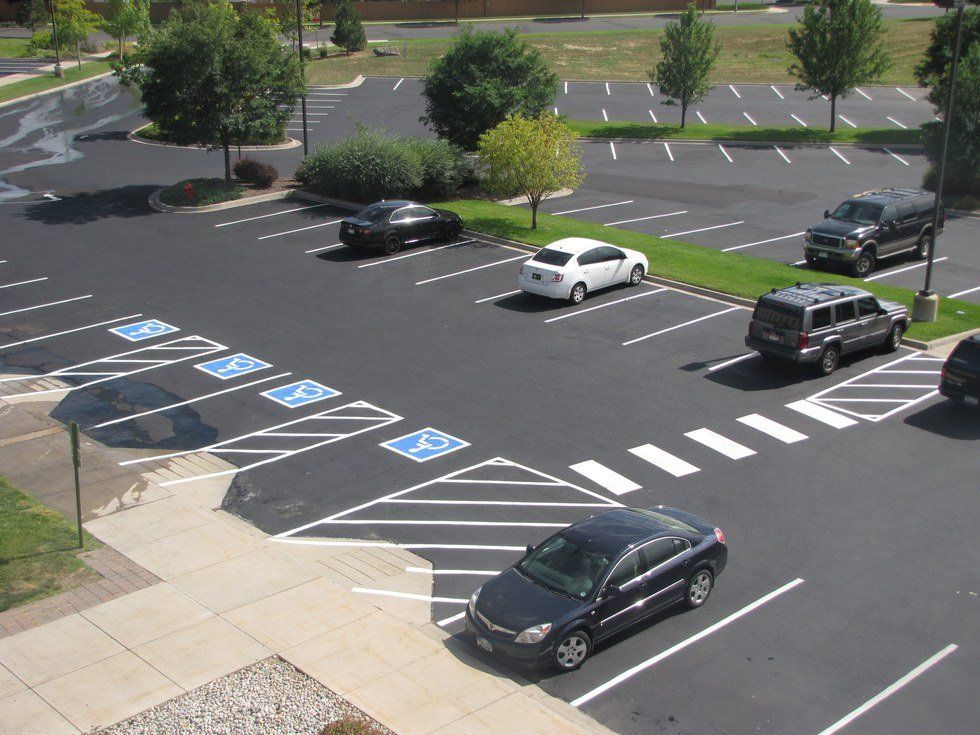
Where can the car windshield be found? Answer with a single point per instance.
(551, 257)
(861, 212)
(564, 567)
(376, 212)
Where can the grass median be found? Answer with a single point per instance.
(731, 273)
(652, 131)
(49, 81)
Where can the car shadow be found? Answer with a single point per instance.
(948, 419)
(756, 374)
(76, 209)
(529, 303)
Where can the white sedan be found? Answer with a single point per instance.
(570, 268)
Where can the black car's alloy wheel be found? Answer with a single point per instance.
(699, 588)
(636, 275)
(572, 650)
(452, 230)
(392, 244)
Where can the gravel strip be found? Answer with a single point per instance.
(267, 698)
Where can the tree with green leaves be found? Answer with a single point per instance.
(32, 13)
(688, 51)
(285, 12)
(348, 32)
(125, 18)
(534, 157)
(214, 77)
(75, 22)
(481, 79)
(838, 46)
(933, 70)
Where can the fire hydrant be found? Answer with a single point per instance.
(189, 191)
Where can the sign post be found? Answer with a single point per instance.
(76, 461)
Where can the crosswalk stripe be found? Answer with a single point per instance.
(720, 443)
(772, 428)
(664, 460)
(602, 475)
(824, 415)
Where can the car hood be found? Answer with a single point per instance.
(512, 601)
(449, 215)
(892, 307)
(842, 229)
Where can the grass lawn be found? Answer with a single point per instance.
(14, 47)
(49, 81)
(592, 129)
(38, 552)
(208, 191)
(731, 273)
(748, 54)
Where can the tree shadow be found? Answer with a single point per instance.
(85, 207)
(568, 19)
(38, 554)
(948, 419)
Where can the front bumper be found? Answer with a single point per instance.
(805, 356)
(521, 655)
(819, 253)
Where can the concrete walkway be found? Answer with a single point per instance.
(226, 598)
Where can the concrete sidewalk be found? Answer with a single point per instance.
(227, 597)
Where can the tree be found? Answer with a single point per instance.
(213, 77)
(32, 13)
(126, 18)
(483, 78)
(689, 51)
(285, 12)
(348, 32)
(933, 70)
(75, 22)
(837, 47)
(531, 156)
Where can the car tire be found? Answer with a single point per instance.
(636, 275)
(829, 360)
(452, 231)
(864, 265)
(571, 650)
(894, 339)
(392, 244)
(698, 588)
(578, 292)
(924, 246)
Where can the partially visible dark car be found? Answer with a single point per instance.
(591, 580)
(391, 224)
(960, 376)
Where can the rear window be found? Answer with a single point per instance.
(668, 521)
(967, 355)
(376, 212)
(551, 257)
(780, 316)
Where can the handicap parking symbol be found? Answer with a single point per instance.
(230, 367)
(424, 445)
(144, 330)
(300, 393)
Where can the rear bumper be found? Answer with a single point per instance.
(360, 242)
(551, 289)
(959, 393)
(810, 354)
(524, 656)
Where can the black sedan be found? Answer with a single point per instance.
(391, 224)
(591, 580)
(960, 376)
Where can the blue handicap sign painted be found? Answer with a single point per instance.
(144, 330)
(232, 366)
(424, 445)
(300, 393)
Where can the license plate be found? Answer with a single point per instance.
(971, 400)
(821, 255)
(772, 336)
(484, 644)
(535, 276)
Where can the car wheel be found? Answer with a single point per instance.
(863, 265)
(577, 294)
(392, 244)
(571, 650)
(699, 588)
(452, 230)
(924, 246)
(636, 275)
(894, 339)
(828, 361)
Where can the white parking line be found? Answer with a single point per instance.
(778, 93)
(798, 119)
(890, 690)
(721, 444)
(641, 219)
(566, 87)
(604, 115)
(897, 158)
(669, 154)
(477, 268)
(326, 247)
(301, 229)
(69, 331)
(602, 475)
(629, 673)
(678, 326)
(556, 110)
(860, 92)
(825, 98)
(412, 255)
(847, 121)
(664, 460)
(603, 306)
(821, 414)
(24, 283)
(749, 118)
(891, 119)
(273, 214)
(902, 270)
(725, 153)
(650, 88)
(734, 91)
(652, 115)
(397, 85)
(408, 595)
(963, 293)
(451, 619)
(427, 522)
(453, 572)
(498, 296)
(612, 149)
(700, 116)
(44, 306)
(598, 206)
(772, 428)
(780, 152)
(389, 545)
(838, 154)
(703, 229)
(608, 93)
(734, 360)
(763, 242)
(902, 91)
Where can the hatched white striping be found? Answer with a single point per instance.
(721, 444)
(824, 415)
(664, 460)
(602, 475)
(772, 428)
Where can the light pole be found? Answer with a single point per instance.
(925, 306)
(302, 71)
(58, 71)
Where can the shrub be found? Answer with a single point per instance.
(444, 169)
(351, 725)
(323, 51)
(263, 175)
(40, 41)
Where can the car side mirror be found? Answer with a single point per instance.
(611, 590)
(826, 214)
(882, 311)
(529, 549)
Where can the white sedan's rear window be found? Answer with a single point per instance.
(551, 257)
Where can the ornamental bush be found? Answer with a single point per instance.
(263, 175)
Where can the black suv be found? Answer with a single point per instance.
(871, 226)
(960, 377)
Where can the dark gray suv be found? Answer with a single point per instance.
(871, 226)
(816, 323)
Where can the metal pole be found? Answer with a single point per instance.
(58, 71)
(302, 71)
(76, 462)
(947, 120)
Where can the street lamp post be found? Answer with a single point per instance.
(58, 71)
(926, 303)
(302, 67)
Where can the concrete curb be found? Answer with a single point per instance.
(132, 136)
(939, 341)
(357, 82)
(908, 147)
(28, 97)
(522, 199)
(155, 203)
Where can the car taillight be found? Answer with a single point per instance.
(363, 231)
(803, 341)
(751, 326)
(719, 535)
(942, 373)
(557, 277)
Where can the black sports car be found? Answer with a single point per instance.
(391, 224)
(593, 579)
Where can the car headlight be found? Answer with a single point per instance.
(851, 243)
(808, 236)
(473, 598)
(534, 633)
